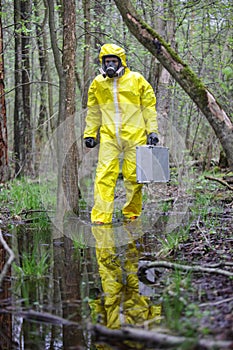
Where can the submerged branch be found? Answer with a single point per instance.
(36, 316)
(9, 261)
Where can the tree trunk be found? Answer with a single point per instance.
(4, 170)
(163, 80)
(18, 104)
(86, 59)
(70, 170)
(67, 152)
(52, 123)
(43, 114)
(187, 79)
(26, 90)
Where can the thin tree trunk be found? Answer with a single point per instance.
(18, 104)
(4, 170)
(26, 90)
(52, 123)
(86, 59)
(43, 114)
(60, 143)
(70, 170)
(187, 79)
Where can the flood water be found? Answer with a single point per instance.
(86, 276)
(66, 279)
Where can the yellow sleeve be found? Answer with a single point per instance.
(93, 117)
(148, 103)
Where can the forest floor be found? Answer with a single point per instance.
(209, 244)
(214, 292)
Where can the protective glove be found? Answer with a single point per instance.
(152, 139)
(90, 142)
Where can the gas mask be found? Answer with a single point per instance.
(112, 67)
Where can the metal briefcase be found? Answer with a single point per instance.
(152, 164)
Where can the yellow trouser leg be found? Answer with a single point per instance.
(106, 176)
(133, 205)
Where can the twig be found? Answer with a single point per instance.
(9, 261)
(220, 264)
(215, 303)
(220, 181)
(153, 338)
(195, 268)
(203, 234)
(32, 211)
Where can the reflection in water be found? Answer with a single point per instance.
(120, 302)
(66, 290)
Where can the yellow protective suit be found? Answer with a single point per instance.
(123, 110)
(121, 303)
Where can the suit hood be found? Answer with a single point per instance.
(112, 49)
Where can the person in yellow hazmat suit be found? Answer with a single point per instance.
(122, 107)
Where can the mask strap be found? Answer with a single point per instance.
(102, 72)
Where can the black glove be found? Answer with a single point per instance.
(152, 139)
(90, 142)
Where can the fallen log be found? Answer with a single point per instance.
(153, 338)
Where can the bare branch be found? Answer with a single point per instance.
(196, 268)
(220, 181)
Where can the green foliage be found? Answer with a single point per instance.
(205, 197)
(173, 299)
(22, 199)
(78, 244)
(33, 265)
(165, 206)
(21, 195)
(171, 241)
(82, 204)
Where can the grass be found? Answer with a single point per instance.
(175, 298)
(33, 265)
(204, 209)
(170, 243)
(22, 199)
(21, 195)
(29, 224)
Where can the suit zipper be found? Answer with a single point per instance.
(117, 109)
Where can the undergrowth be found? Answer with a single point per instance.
(25, 219)
(21, 200)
